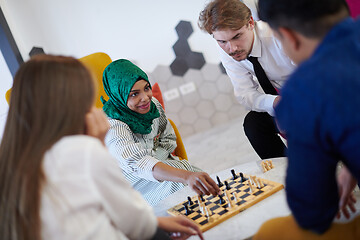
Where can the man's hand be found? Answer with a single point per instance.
(96, 124)
(346, 184)
(202, 183)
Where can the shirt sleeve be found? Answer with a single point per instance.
(167, 138)
(127, 209)
(131, 155)
(246, 89)
(311, 187)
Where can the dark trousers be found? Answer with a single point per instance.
(262, 132)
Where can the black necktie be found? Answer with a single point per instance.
(261, 76)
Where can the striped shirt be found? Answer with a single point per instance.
(137, 155)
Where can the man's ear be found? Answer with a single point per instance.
(290, 37)
(251, 23)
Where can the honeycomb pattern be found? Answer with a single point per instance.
(210, 100)
(210, 104)
(185, 58)
(35, 51)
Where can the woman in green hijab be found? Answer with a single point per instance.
(142, 139)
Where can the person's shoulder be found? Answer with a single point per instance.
(68, 148)
(263, 29)
(77, 140)
(158, 105)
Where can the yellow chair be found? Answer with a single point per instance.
(96, 63)
(7, 95)
(180, 149)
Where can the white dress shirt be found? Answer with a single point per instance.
(275, 63)
(86, 197)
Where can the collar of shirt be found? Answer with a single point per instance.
(256, 48)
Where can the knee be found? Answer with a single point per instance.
(253, 122)
(277, 228)
(249, 121)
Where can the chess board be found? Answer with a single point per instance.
(245, 198)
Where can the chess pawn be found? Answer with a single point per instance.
(228, 197)
(267, 164)
(271, 164)
(261, 183)
(258, 183)
(250, 188)
(252, 180)
(263, 166)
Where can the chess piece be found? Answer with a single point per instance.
(261, 184)
(257, 183)
(243, 179)
(266, 165)
(251, 180)
(234, 174)
(271, 164)
(190, 201)
(222, 201)
(187, 210)
(263, 166)
(202, 198)
(227, 185)
(250, 188)
(234, 195)
(220, 184)
(228, 197)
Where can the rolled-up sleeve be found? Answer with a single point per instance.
(130, 154)
(246, 89)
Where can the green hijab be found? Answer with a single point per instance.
(118, 79)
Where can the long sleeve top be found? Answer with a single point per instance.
(86, 197)
(275, 63)
(319, 111)
(137, 155)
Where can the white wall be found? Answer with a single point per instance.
(139, 30)
(5, 84)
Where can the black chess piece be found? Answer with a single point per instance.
(234, 174)
(187, 210)
(202, 198)
(190, 201)
(227, 185)
(220, 184)
(222, 200)
(243, 179)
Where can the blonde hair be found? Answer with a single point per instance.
(224, 14)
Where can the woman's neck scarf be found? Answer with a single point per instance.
(118, 79)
